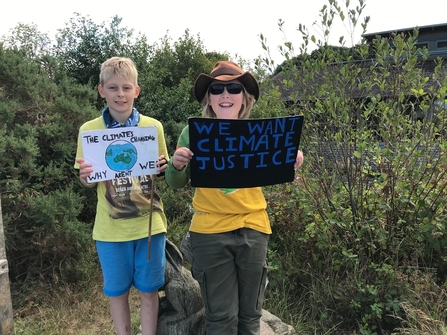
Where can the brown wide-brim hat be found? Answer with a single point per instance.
(225, 71)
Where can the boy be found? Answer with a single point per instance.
(122, 213)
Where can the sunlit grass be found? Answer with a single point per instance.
(65, 312)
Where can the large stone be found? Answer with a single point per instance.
(181, 306)
(272, 325)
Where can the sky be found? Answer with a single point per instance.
(222, 26)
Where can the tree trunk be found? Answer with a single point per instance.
(6, 315)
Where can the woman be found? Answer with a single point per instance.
(230, 228)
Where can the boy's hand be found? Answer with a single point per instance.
(85, 169)
(181, 158)
(162, 164)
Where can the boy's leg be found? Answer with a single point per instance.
(119, 309)
(149, 312)
(116, 260)
(148, 278)
(252, 275)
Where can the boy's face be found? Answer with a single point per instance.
(119, 94)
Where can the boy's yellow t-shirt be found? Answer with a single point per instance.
(122, 211)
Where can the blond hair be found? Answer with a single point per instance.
(119, 66)
(244, 113)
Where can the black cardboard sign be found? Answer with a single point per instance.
(243, 152)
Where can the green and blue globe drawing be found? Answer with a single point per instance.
(121, 156)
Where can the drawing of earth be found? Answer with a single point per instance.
(121, 156)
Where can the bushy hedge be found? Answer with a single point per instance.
(358, 240)
(42, 201)
(361, 235)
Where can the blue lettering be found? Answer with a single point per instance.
(291, 155)
(206, 128)
(250, 141)
(289, 137)
(200, 145)
(274, 158)
(281, 123)
(98, 176)
(123, 174)
(256, 126)
(224, 126)
(231, 141)
(276, 126)
(216, 146)
(219, 168)
(231, 165)
(264, 139)
(276, 137)
(261, 163)
(203, 160)
(293, 121)
(246, 158)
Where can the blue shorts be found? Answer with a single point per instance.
(125, 264)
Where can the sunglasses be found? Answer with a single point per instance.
(231, 88)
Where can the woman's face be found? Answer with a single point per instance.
(226, 98)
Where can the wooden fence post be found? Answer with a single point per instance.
(6, 313)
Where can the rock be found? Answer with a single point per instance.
(181, 308)
(272, 325)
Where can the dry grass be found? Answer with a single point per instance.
(420, 323)
(65, 312)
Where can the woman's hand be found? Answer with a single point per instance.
(299, 160)
(181, 157)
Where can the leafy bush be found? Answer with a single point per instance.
(369, 205)
(41, 198)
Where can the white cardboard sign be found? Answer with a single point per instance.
(120, 152)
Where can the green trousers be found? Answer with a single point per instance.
(231, 269)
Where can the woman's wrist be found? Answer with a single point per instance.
(181, 169)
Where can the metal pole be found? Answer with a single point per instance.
(6, 313)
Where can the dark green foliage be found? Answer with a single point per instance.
(370, 206)
(83, 45)
(168, 79)
(44, 99)
(41, 203)
(358, 243)
(328, 52)
(178, 208)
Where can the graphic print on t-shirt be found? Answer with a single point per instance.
(129, 197)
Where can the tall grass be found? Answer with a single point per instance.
(71, 310)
